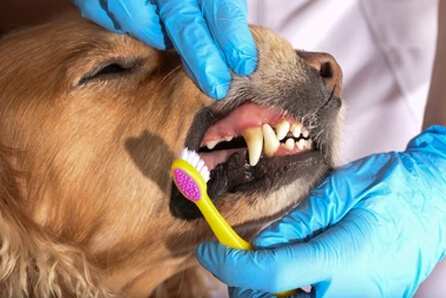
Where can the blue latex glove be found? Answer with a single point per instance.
(374, 228)
(208, 34)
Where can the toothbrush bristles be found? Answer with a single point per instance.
(195, 160)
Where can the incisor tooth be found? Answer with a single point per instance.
(289, 144)
(212, 144)
(305, 132)
(301, 144)
(228, 138)
(270, 141)
(296, 129)
(254, 140)
(282, 129)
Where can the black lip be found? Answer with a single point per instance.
(202, 121)
(237, 176)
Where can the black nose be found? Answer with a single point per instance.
(328, 69)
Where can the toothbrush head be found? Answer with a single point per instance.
(190, 175)
(186, 185)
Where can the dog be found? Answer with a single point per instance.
(90, 122)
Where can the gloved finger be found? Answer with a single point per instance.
(250, 293)
(327, 204)
(247, 293)
(140, 19)
(267, 270)
(194, 78)
(227, 21)
(190, 35)
(96, 11)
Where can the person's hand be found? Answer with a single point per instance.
(374, 228)
(208, 34)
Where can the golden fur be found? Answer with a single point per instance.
(84, 181)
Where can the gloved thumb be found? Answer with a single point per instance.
(250, 293)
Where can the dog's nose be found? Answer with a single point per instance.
(328, 69)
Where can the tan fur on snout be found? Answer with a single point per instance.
(84, 162)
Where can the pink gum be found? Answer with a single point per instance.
(247, 115)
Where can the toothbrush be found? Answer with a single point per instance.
(190, 175)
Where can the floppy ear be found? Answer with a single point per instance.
(32, 262)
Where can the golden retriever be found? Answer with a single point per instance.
(90, 122)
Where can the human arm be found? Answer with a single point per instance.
(212, 36)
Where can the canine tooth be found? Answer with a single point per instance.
(211, 144)
(296, 129)
(301, 144)
(282, 129)
(254, 139)
(305, 132)
(270, 141)
(289, 144)
(228, 138)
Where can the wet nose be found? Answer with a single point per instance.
(327, 67)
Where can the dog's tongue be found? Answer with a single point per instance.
(212, 159)
(247, 115)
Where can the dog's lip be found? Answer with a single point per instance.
(236, 176)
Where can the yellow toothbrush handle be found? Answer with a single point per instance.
(222, 230)
(225, 233)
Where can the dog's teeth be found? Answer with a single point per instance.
(211, 144)
(254, 140)
(308, 144)
(296, 129)
(305, 132)
(228, 138)
(282, 129)
(301, 144)
(289, 144)
(270, 141)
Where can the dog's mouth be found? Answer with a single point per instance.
(258, 132)
(254, 148)
(257, 148)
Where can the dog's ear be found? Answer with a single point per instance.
(32, 262)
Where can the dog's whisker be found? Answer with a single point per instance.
(169, 74)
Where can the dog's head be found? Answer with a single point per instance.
(90, 122)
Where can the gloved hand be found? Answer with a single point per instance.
(374, 228)
(208, 34)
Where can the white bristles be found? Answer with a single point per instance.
(195, 160)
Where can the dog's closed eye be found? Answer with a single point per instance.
(110, 69)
